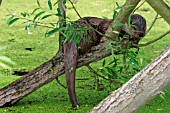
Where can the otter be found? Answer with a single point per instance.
(135, 31)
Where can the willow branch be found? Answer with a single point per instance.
(156, 17)
(150, 42)
(139, 6)
(95, 73)
(75, 8)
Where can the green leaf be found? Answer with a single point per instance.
(108, 47)
(11, 21)
(34, 10)
(121, 80)
(104, 62)
(117, 4)
(38, 3)
(39, 14)
(24, 14)
(114, 14)
(7, 22)
(162, 96)
(52, 32)
(58, 12)
(103, 72)
(64, 2)
(50, 5)
(87, 39)
(112, 71)
(46, 16)
(104, 17)
(129, 19)
(121, 69)
(56, 3)
(120, 24)
(35, 25)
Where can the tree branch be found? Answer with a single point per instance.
(145, 85)
(75, 9)
(121, 18)
(156, 17)
(161, 8)
(150, 42)
(139, 6)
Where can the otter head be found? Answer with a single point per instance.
(136, 29)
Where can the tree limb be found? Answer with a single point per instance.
(121, 18)
(138, 6)
(161, 8)
(152, 41)
(145, 85)
(156, 17)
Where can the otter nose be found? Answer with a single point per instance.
(141, 34)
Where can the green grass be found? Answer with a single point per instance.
(52, 97)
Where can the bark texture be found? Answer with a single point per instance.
(121, 18)
(161, 8)
(44, 74)
(145, 85)
(48, 71)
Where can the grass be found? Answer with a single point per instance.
(52, 97)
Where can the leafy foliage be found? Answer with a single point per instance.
(115, 70)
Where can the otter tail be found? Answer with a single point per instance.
(70, 63)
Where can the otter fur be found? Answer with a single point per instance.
(72, 51)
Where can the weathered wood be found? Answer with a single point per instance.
(145, 85)
(121, 18)
(48, 71)
(161, 8)
(42, 75)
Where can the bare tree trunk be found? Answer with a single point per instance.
(141, 88)
(161, 8)
(62, 23)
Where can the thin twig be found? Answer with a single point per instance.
(95, 73)
(74, 8)
(60, 83)
(44, 26)
(156, 17)
(85, 21)
(139, 6)
(152, 41)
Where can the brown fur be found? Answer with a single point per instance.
(72, 51)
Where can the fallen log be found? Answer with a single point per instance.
(145, 85)
(45, 73)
